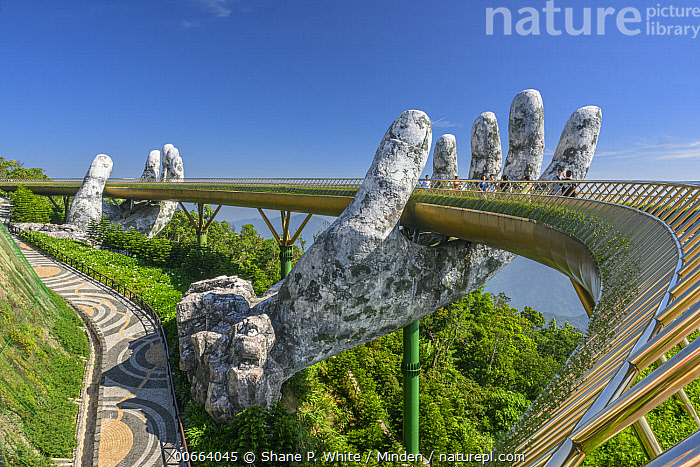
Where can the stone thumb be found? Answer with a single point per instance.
(390, 180)
(87, 203)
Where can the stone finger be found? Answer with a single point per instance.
(486, 147)
(172, 167)
(152, 169)
(525, 136)
(445, 159)
(576, 144)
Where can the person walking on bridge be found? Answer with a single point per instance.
(556, 188)
(569, 189)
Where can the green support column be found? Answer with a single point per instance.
(200, 226)
(201, 238)
(201, 230)
(284, 240)
(66, 208)
(286, 256)
(411, 373)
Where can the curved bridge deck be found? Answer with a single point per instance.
(631, 249)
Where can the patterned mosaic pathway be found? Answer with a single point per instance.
(136, 423)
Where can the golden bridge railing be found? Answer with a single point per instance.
(644, 237)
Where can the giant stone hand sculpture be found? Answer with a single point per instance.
(361, 279)
(149, 217)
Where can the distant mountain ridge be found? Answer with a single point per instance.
(528, 283)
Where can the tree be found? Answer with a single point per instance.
(557, 342)
(29, 207)
(14, 169)
(21, 172)
(503, 409)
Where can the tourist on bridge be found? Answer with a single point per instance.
(426, 182)
(527, 186)
(483, 186)
(492, 184)
(505, 187)
(556, 188)
(569, 189)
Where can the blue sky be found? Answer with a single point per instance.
(288, 88)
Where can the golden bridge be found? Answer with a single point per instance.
(631, 250)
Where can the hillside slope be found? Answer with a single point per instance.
(42, 352)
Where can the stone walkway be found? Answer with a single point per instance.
(136, 423)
